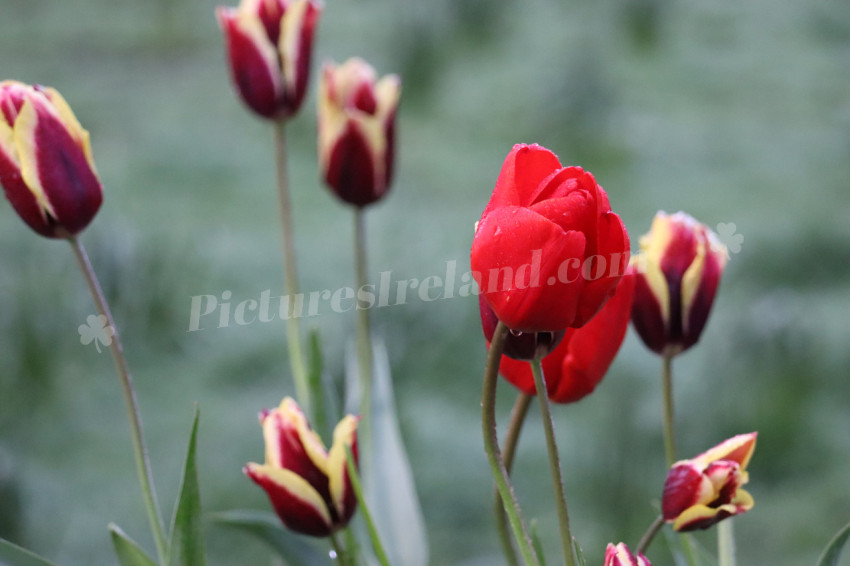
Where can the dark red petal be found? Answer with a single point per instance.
(703, 299)
(525, 167)
(516, 257)
(352, 171)
(681, 490)
(296, 514)
(647, 315)
(304, 56)
(256, 82)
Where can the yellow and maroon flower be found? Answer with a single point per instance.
(308, 486)
(677, 274)
(46, 165)
(269, 47)
(357, 130)
(620, 555)
(704, 490)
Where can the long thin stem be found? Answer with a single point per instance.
(143, 466)
(650, 533)
(726, 543)
(554, 463)
(667, 392)
(375, 537)
(364, 344)
(518, 414)
(290, 274)
(491, 446)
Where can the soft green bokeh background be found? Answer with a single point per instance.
(733, 111)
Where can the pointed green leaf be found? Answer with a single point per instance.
(386, 472)
(14, 555)
(316, 385)
(186, 542)
(535, 542)
(832, 552)
(579, 554)
(267, 528)
(127, 550)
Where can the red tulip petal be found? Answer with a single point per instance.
(342, 492)
(296, 49)
(684, 487)
(738, 449)
(525, 167)
(516, 258)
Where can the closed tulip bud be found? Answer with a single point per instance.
(620, 555)
(704, 490)
(678, 271)
(548, 251)
(357, 130)
(269, 47)
(46, 165)
(582, 358)
(308, 487)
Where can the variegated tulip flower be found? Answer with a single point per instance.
(704, 490)
(46, 165)
(269, 47)
(620, 555)
(357, 130)
(308, 486)
(677, 274)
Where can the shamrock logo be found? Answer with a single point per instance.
(96, 330)
(726, 233)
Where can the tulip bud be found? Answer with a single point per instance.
(357, 130)
(620, 555)
(269, 47)
(704, 490)
(46, 165)
(309, 487)
(678, 271)
(578, 364)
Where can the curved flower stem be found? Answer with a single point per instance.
(143, 466)
(669, 426)
(491, 446)
(375, 537)
(725, 543)
(290, 274)
(554, 463)
(518, 414)
(342, 554)
(364, 344)
(650, 533)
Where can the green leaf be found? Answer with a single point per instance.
(535, 542)
(14, 555)
(186, 541)
(832, 552)
(386, 472)
(316, 385)
(127, 550)
(579, 554)
(266, 527)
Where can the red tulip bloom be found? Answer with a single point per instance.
(308, 486)
(547, 252)
(46, 165)
(678, 271)
(581, 360)
(269, 46)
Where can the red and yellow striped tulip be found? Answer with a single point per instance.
(46, 165)
(357, 130)
(704, 490)
(308, 486)
(677, 274)
(620, 555)
(269, 47)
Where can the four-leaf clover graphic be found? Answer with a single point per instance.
(96, 330)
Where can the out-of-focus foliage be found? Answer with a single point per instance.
(737, 112)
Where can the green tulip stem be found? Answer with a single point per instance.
(669, 427)
(726, 543)
(342, 554)
(143, 466)
(363, 338)
(518, 414)
(554, 462)
(290, 274)
(374, 536)
(491, 447)
(650, 533)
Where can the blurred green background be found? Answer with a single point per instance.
(732, 111)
